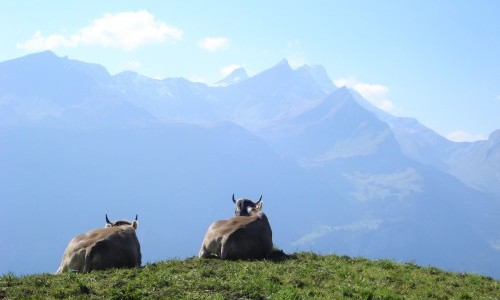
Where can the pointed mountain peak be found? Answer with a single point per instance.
(279, 74)
(235, 76)
(317, 74)
(283, 64)
(280, 70)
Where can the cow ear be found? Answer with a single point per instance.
(259, 205)
(135, 223)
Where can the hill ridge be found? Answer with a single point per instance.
(297, 276)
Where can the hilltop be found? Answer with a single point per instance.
(298, 276)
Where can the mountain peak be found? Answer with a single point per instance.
(235, 76)
(283, 64)
(279, 74)
(317, 74)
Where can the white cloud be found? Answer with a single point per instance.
(356, 227)
(213, 44)
(229, 69)
(39, 42)
(463, 136)
(125, 30)
(377, 94)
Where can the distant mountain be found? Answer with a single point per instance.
(77, 143)
(476, 164)
(171, 99)
(43, 88)
(235, 76)
(277, 93)
(337, 128)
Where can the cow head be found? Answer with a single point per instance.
(254, 211)
(243, 206)
(121, 222)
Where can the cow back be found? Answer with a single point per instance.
(118, 249)
(249, 239)
(241, 237)
(102, 248)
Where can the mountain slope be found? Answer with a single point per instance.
(476, 164)
(337, 128)
(43, 88)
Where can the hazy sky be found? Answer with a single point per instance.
(437, 61)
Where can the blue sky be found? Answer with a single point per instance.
(437, 61)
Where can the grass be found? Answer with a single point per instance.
(299, 276)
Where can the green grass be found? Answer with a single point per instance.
(300, 276)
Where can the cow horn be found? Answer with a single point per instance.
(260, 199)
(234, 201)
(136, 217)
(107, 220)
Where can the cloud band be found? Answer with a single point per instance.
(125, 30)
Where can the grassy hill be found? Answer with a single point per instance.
(299, 276)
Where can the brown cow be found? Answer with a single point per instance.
(115, 246)
(247, 236)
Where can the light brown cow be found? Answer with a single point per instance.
(241, 237)
(115, 246)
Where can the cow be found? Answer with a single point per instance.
(114, 246)
(248, 235)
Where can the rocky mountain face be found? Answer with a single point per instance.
(336, 174)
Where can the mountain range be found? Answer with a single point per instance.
(336, 173)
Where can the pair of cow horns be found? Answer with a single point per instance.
(260, 199)
(107, 220)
